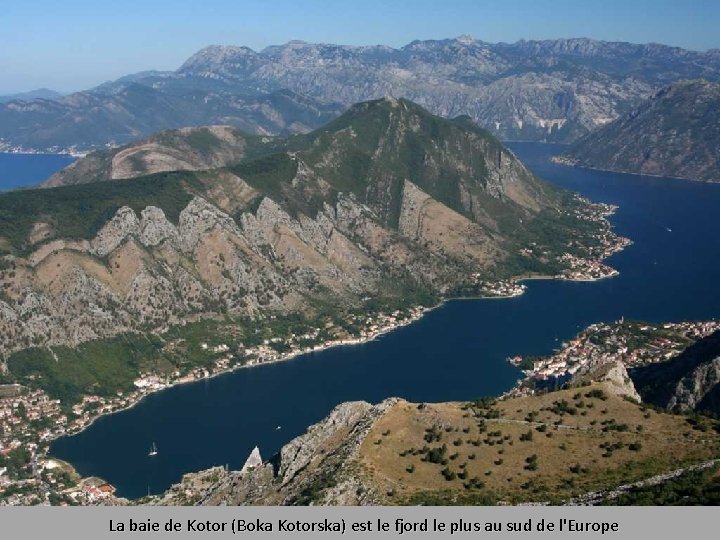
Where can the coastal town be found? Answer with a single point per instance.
(499, 289)
(7, 147)
(631, 342)
(591, 266)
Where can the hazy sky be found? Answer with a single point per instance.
(76, 44)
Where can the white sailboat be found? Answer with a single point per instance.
(153, 450)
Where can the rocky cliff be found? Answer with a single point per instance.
(319, 467)
(688, 382)
(674, 133)
(613, 374)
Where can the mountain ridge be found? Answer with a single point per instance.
(187, 149)
(673, 134)
(39, 93)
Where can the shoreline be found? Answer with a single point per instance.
(559, 160)
(319, 348)
(228, 371)
(612, 244)
(634, 344)
(76, 155)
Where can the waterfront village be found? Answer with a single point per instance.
(575, 268)
(630, 342)
(591, 266)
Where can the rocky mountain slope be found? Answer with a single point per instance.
(688, 382)
(674, 133)
(552, 447)
(387, 205)
(185, 149)
(135, 109)
(555, 90)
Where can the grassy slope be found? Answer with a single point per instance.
(488, 454)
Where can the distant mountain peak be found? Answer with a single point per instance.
(466, 39)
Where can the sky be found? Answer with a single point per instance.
(77, 44)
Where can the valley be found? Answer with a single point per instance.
(309, 267)
(208, 344)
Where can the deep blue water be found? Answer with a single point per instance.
(456, 352)
(24, 170)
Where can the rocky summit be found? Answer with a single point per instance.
(675, 133)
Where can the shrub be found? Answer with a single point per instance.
(448, 474)
(596, 393)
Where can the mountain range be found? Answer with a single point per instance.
(93, 119)
(553, 90)
(134, 260)
(674, 133)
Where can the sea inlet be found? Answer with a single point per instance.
(455, 352)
